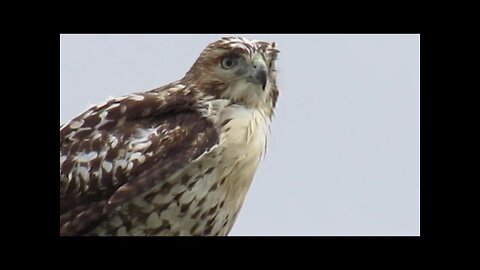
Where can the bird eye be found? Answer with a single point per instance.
(229, 62)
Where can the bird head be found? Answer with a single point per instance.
(238, 69)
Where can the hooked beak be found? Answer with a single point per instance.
(259, 71)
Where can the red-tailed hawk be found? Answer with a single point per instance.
(175, 160)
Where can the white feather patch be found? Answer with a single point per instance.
(86, 157)
(107, 166)
(137, 156)
(141, 146)
(113, 141)
(120, 163)
(83, 172)
(96, 136)
(114, 105)
(77, 124)
(136, 97)
(97, 174)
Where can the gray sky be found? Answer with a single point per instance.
(343, 155)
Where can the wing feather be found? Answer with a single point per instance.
(120, 149)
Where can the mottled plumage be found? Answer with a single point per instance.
(176, 160)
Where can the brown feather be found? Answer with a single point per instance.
(171, 108)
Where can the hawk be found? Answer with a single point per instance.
(175, 160)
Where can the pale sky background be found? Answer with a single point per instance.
(343, 155)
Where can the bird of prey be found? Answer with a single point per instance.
(176, 160)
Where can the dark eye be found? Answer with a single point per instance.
(229, 62)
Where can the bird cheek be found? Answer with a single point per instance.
(241, 70)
